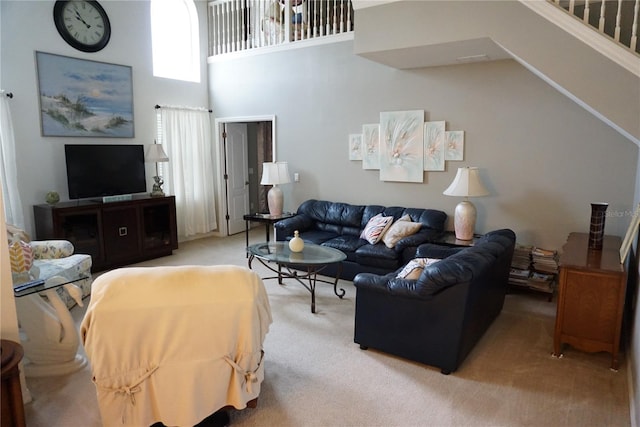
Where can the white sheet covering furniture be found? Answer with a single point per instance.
(175, 344)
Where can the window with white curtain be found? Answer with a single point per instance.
(175, 40)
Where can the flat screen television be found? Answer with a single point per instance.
(95, 170)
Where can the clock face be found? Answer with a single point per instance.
(83, 24)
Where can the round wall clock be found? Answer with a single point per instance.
(83, 24)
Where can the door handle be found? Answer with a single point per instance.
(246, 183)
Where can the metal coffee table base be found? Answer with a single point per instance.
(286, 272)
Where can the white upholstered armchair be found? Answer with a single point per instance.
(175, 344)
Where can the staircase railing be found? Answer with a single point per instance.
(239, 25)
(617, 19)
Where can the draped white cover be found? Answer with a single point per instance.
(8, 167)
(175, 344)
(187, 138)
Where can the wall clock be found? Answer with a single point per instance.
(83, 24)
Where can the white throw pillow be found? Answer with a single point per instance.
(413, 269)
(403, 227)
(375, 228)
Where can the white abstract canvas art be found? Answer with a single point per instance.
(434, 146)
(371, 146)
(355, 146)
(402, 146)
(454, 145)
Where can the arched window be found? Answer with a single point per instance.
(174, 37)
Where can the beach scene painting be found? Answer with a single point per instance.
(84, 98)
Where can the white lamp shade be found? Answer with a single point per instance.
(274, 173)
(467, 183)
(155, 153)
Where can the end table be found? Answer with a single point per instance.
(265, 218)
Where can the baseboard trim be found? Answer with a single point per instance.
(632, 399)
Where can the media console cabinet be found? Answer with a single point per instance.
(114, 234)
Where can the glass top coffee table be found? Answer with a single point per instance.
(311, 261)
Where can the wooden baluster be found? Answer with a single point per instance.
(308, 17)
(321, 14)
(349, 15)
(313, 20)
(572, 6)
(234, 25)
(634, 27)
(616, 35)
(585, 15)
(601, 20)
(240, 21)
(214, 29)
(327, 29)
(335, 17)
(342, 16)
(223, 46)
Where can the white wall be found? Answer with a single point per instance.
(26, 27)
(543, 158)
(41, 163)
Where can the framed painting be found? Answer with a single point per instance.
(632, 231)
(402, 146)
(454, 145)
(355, 146)
(84, 98)
(434, 146)
(371, 146)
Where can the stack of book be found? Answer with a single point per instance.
(544, 263)
(520, 265)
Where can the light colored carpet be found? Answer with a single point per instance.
(315, 375)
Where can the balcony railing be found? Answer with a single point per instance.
(617, 19)
(240, 25)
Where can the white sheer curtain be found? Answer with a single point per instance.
(8, 168)
(187, 139)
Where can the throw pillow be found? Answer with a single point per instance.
(375, 228)
(413, 269)
(403, 227)
(20, 256)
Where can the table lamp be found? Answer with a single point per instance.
(156, 154)
(466, 184)
(275, 173)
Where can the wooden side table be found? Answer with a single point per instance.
(268, 221)
(591, 296)
(448, 238)
(11, 393)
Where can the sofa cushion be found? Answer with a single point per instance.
(318, 236)
(375, 228)
(347, 244)
(403, 227)
(378, 256)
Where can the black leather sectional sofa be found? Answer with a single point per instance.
(339, 225)
(438, 318)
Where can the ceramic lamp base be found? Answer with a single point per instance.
(275, 199)
(464, 220)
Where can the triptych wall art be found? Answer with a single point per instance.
(402, 146)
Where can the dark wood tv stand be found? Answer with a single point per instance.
(114, 234)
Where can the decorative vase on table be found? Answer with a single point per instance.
(296, 244)
(596, 228)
